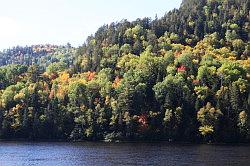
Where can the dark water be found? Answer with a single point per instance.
(67, 154)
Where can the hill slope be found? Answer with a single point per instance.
(182, 77)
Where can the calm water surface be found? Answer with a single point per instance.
(67, 154)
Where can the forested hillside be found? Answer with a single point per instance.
(182, 77)
(42, 55)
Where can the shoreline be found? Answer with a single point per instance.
(122, 142)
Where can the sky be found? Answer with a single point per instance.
(27, 22)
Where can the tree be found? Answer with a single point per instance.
(230, 71)
(208, 116)
(77, 94)
(56, 67)
(172, 121)
(239, 47)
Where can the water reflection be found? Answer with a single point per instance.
(67, 154)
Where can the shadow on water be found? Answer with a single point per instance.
(99, 153)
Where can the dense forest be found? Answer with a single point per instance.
(182, 77)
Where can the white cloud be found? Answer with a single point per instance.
(8, 28)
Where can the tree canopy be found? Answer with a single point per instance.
(182, 77)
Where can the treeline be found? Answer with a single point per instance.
(186, 26)
(183, 77)
(42, 55)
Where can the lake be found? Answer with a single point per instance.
(67, 154)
